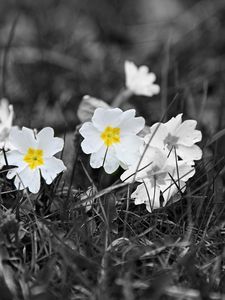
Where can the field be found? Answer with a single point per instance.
(80, 235)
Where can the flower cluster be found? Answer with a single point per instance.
(161, 159)
(166, 162)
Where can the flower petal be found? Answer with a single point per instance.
(106, 117)
(157, 136)
(105, 158)
(48, 143)
(111, 163)
(130, 72)
(189, 153)
(28, 179)
(173, 124)
(22, 139)
(128, 150)
(148, 194)
(51, 168)
(129, 124)
(15, 158)
(152, 160)
(92, 141)
(187, 133)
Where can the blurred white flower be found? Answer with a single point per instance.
(6, 118)
(178, 136)
(87, 107)
(158, 174)
(111, 138)
(33, 157)
(139, 80)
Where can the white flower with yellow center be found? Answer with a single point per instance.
(158, 174)
(33, 157)
(111, 138)
(6, 118)
(177, 136)
(139, 80)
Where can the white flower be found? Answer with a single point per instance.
(6, 118)
(158, 174)
(33, 157)
(87, 107)
(177, 136)
(139, 80)
(111, 138)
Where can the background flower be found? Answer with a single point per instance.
(139, 80)
(87, 107)
(111, 138)
(6, 119)
(33, 157)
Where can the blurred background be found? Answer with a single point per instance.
(53, 52)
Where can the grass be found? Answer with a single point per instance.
(52, 246)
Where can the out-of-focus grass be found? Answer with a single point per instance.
(51, 247)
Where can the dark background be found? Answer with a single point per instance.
(59, 51)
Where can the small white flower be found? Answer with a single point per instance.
(178, 136)
(158, 174)
(111, 138)
(139, 80)
(33, 157)
(6, 118)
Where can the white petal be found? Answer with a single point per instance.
(182, 171)
(128, 150)
(189, 153)
(28, 178)
(96, 159)
(130, 73)
(15, 158)
(111, 163)
(173, 123)
(187, 133)
(130, 124)
(157, 136)
(105, 158)
(106, 117)
(144, 71)
(146, 87)
(151, 89)
(92, 141)
(22, 139)
(153, 159)
(148, 194)
(6, 113)
(51, 168)
(48, 143)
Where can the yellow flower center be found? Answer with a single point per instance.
(111, 135)
(34, 158)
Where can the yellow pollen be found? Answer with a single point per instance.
(34, 158)
(111, 135)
